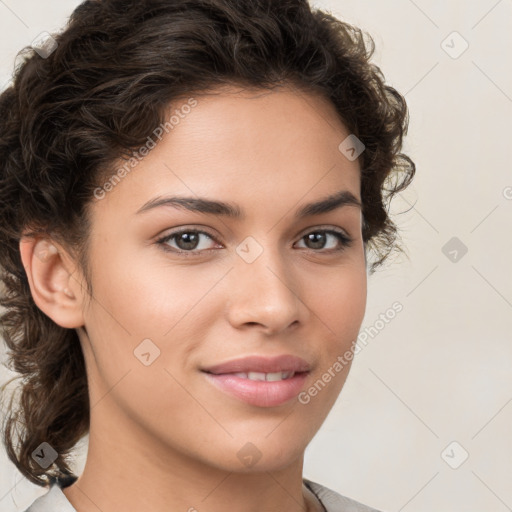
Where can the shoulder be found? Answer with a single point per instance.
(334, 502)
(53, 501)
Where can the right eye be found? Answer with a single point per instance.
(186, 240)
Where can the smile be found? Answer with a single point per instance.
(269, 377)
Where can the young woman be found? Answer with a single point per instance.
(189, 193)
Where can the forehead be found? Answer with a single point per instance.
(244, 144)
(283, 114)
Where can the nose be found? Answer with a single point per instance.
(265, 294)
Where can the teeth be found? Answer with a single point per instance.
(277, 376)
(256, 376)
(269, 377)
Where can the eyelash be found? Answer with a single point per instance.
(345, 240)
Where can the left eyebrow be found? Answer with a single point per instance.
(209, 206)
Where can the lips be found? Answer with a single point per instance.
(260, 364)
(260, 381)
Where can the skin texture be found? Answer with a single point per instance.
(161, 436)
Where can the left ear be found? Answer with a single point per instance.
(55, 283)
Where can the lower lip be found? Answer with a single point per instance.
(258, 392)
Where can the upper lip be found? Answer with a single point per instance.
(283, 363)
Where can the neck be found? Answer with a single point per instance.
(126, 469)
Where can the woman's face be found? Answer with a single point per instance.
(274, 281)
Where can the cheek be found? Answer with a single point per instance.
(340, 303)
(140, 326)
(137, 299)
(349, 309)
(339, 312)
(143, 294)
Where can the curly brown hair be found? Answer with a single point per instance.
(67, 118)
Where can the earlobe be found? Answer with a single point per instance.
(55, 290)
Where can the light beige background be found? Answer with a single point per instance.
(440, 371)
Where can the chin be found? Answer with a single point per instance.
(261, 455)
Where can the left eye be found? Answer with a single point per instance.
(319, 237)
(188, 241)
